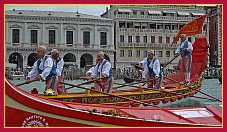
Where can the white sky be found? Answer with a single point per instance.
(95, 10)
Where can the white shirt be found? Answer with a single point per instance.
(59, 66)
(91, 71)
(105, 69)
(190, 47)
(144, 62)
(45, 66)
(155, 67)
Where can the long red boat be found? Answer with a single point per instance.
(23, 109)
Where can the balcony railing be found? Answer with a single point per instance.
(199, 8)
(140, 45)
(147, 30)
(156, 45)
(155, 18)
(144, 45)
(34, 44)
(16, 44)
(126, 45)
(171, 45)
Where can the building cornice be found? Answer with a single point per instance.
(55, 19)
(60, 49)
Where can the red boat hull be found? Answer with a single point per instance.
(25, 109)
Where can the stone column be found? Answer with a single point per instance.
(94, 40)
(44, 34)
(61, 36)
(25, 34)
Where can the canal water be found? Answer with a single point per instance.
(209, 86)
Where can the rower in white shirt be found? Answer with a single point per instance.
(59, 64)
(103, 70)
(152, 70)
(185, 49)
(43, 69)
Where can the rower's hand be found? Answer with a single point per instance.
(177, 54)
(88, 78)
(100, 78)
(28, 80)
(38, 78)
(156, 77)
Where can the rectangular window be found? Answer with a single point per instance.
(145, 54)
(142, 13)
(86, 37)
(16, 36)
(69, 37)
(167, 53)
(152, 39)
(51, 36)
(153, 26)
(174, 53)
(159, 53)
(122, 39)
(103, 38)
(129, 53)
(137, 39)
(129, 39)
(168, 40)
(138, 53)
(145, 39)
(160, 39)
(134, 12)
(34, 36)
(122, 53)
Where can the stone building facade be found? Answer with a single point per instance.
(77, 36)
(140, 28)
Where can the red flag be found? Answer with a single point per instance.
(192, 28)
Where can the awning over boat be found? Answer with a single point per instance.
(198, 14)
(183, 13)
(154, 12)
(172, 12)
(124, 10)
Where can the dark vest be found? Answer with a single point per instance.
(151, 72)
(53, 72)
(110, 72)
(185, 53)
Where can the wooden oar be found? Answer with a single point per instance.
(81, 83)
(203, 98)
(123, 85)
(193, 89)
(27, 82)
(139, 87)
(170, 61)
(130, 84)
(79, 86)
